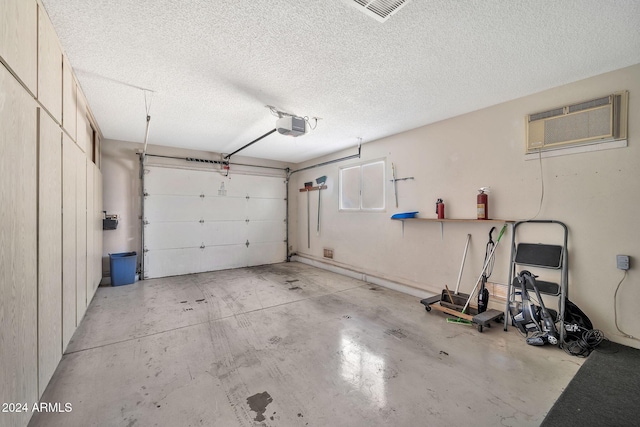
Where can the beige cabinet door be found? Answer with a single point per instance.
(49, 248)
(18, 254)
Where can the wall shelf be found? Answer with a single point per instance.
(304, 190)
(442, 221)
(454, 220)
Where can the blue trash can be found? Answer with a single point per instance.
(123, 268)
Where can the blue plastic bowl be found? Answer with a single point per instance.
(404, 215)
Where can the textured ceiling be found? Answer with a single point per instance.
(214, 65)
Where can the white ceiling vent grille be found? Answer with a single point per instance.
(380, 10)
(597, 120)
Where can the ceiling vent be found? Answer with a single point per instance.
(380, 10)
(597, 120)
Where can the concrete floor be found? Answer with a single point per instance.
(293, 345)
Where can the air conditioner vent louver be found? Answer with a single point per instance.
(546, 114)
(597, 120)
(589, 104)
(380, 10)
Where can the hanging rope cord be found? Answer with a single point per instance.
(147, 103)
(147, 107)
(487, 254)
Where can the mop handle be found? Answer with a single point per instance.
(486, 264)
(464, 257)
(318, 228)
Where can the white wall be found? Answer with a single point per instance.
(596, 194)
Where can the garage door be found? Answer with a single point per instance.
(201, 221)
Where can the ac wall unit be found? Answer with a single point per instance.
(597, 120)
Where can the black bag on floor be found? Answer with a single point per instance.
(573, 317)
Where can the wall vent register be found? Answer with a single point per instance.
(380, 10)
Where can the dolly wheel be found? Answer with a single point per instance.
(427, 307)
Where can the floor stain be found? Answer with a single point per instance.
(292, 280)
(444, 352)
(258, 403)
(294, 288)
(200, 300)
(396, 333)
(275, 339)
(374, 289)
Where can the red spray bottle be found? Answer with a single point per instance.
(440, 208)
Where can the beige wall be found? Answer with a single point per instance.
(596, 194)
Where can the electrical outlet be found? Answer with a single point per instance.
(622, 262)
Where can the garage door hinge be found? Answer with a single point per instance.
(202, 195)
(145, 222)
(247, 243)
(246, 220)
(146, 194)
(145, 250)
(202, 246)
(201, 221)
(248, 197)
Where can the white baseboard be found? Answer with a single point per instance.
(354, 274)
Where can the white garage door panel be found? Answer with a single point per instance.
(235, 186)
(213, 185)
(224, 208)
(172, 208)
(266, 209)
(266, 253)
(184, 182)
(269, 188)
(241, 185)
(266, 231)
(172, 262)
(173, 235)
(223, 257)
(225, 233)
